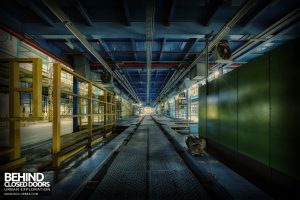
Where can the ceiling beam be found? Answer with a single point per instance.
(116, 66)
(126, 13)
(143, 52)
(279, 28)
(107, 51)
(33, 6)
(133, 48)
(137, 30)
(69, 43)
(166, 78)
(190, 47)
(258, 8)
(7, 19)
(139, 65)
(161, 49)
(170, 12)
(142, 83)
(156, 74)
(73, 29)
(75, 45)
(212, 8)
(248, 4)
(130, 78)
(150, 12)
(84, 13)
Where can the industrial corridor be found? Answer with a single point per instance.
(149, 99)
(144, 164)
(147, 167)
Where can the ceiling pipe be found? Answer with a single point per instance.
(150, 12)
(282, 23)
(72, 28)
(274, 28)
(220, 35)
(125, 82)
(141, 65)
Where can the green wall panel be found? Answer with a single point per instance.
(253, 109)
(228, 110)
(202, 111)
(285, 109)
(213, 111)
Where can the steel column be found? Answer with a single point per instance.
(37, 87)
(90, 111)
(56, 115)
(14, 111)
(75, 103)
(105, 110)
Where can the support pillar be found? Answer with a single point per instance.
(37, 87)
(90, 112)
(14, 112)
(75, 104)
(56, 115)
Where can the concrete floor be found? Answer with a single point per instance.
(36, 133)
(42, 131)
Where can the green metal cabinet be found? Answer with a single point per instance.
(228, 110)
(253, 109)
(285, 109)
(202, 111)
(213, 110)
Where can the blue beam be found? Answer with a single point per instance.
(130, 79)
(258, 8)
(114, 30)
(166, 78)
(212, 8)
(69, 44)
(105, 47)
(9, 20)
(76, 45)
(126, 13)
(156, 73)
(282, 32)
(190, 47)
(39, 12)
(75, 104)
(84, 14)
(170, 12)
(161, 49)
(133, 48)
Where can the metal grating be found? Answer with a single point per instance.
(129, 162)
(122, 185)
(175, 185)
(155, 171)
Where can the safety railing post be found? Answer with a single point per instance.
(14, 111)
(90, 112)
(56, 115)
(37, 87)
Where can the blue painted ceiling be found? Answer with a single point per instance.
(116, 29)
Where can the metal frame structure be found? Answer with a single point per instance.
(14, 148)
(72, 28)
(150, 11)
(220, 35)
(65, 146)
